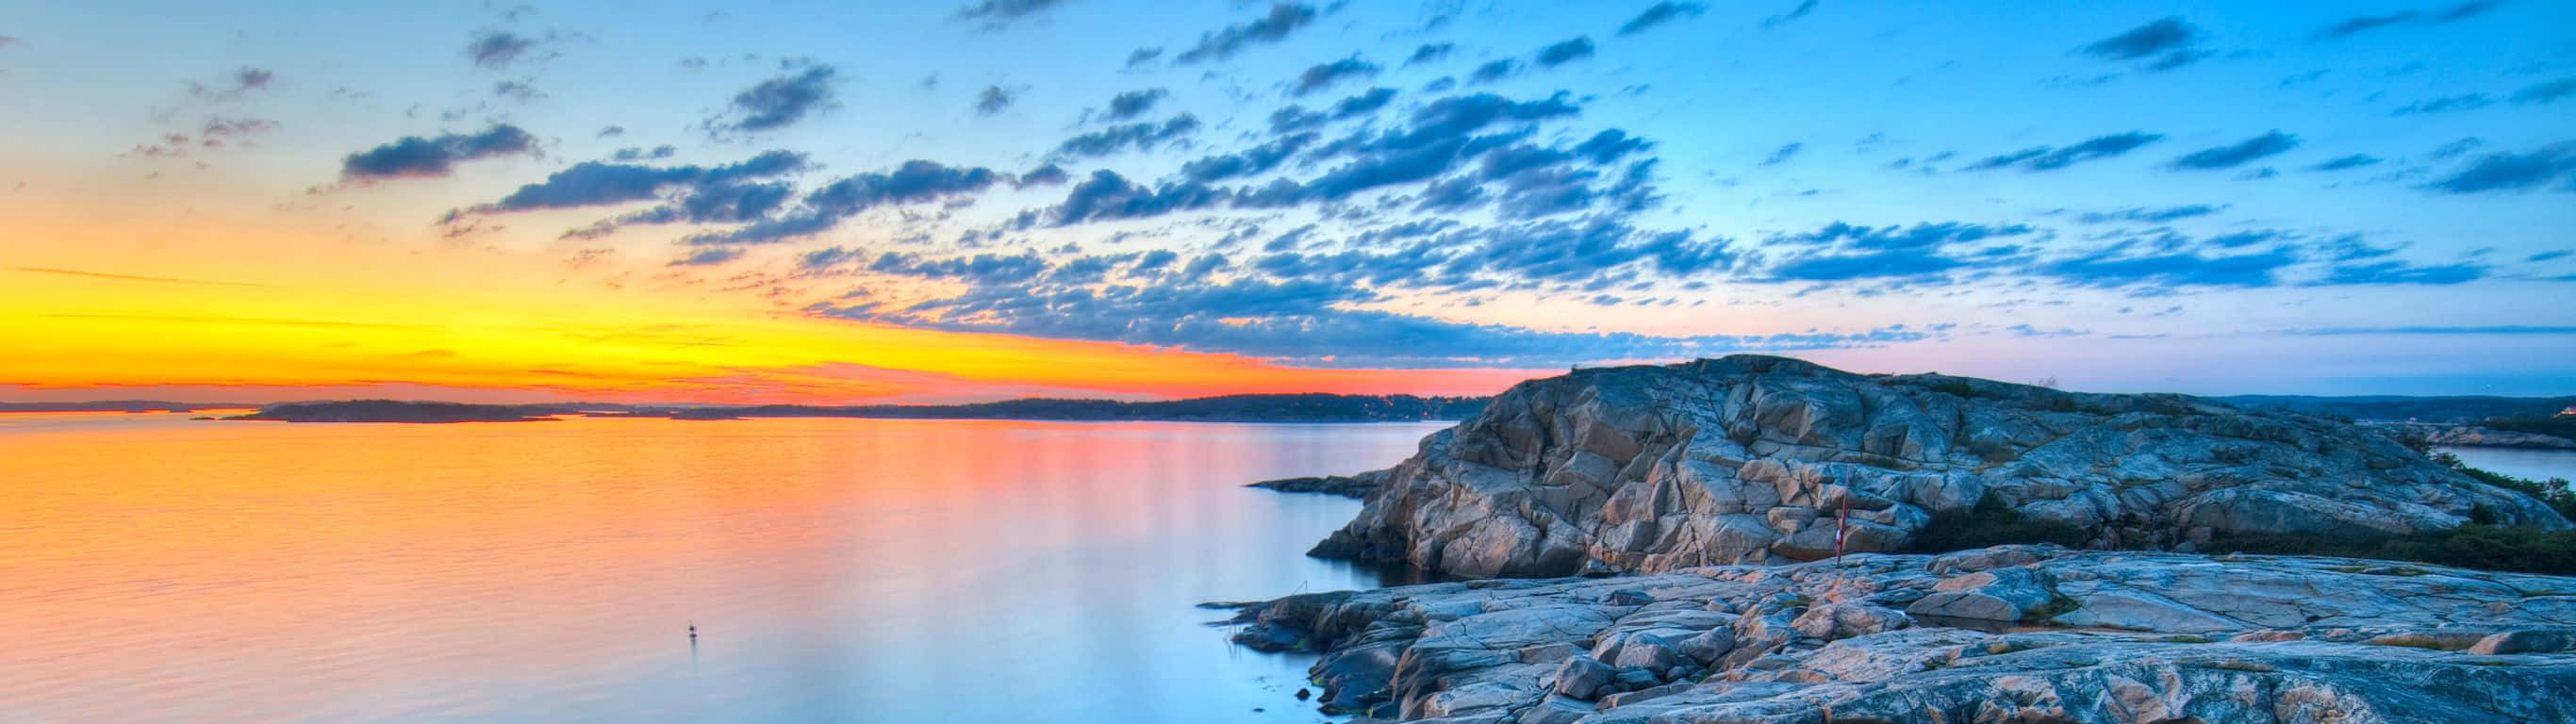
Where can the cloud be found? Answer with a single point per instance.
(694, 191)
(1322, 76)
(2466, 102)
(2546, 92)
(1804, 7)
(1134, 103)
(1429, 52)
(2340, 163)
(2436, 330)
(2512, 172)
(1565, 52)
(1109, 196)
(1782, 155)
(2150, 215)
(2271, 143)
(1141, 56)
(498, 49)
(517, 91)
(1660, 13)
(1493, 70)
(1256, 160)
(1142, 136)
(2166, 44)
(779, 102)
(992, 100)
(233, 85)
(2046, 158)
(1844, 252)
(415, 156)
(609, 131)
(823, 209)
(709, 256)
(999, 13)
(1284, 18)
(2357, 24)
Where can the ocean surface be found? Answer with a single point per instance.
(156, 569)
(2518, 462)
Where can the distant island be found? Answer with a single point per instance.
(120, 406)
(1228, 408)
(400, 411)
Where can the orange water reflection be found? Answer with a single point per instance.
(160, 569)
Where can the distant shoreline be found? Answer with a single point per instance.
(1309, 408)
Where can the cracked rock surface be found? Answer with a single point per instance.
(2005, 634)
(1748, 460)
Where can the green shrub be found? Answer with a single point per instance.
(2483, 547)
(1990, 522)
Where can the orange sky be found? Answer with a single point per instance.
(104, 308)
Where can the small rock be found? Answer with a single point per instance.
(2526, 641)
(1582, 677)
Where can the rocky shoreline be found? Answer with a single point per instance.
(1703, 505)
(2007, 634)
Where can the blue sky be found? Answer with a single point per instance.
(2207, 197)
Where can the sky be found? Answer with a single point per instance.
(937, 202)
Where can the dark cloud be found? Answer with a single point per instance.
(1565, 52)
(2164, 44)
(2340, 163)
(1256, 160)
(1844, 252)
(1782, 155)
(1660, 13)
(779, 102)
(1143, 136)
(497, 50)
(2457, 148)
(2513, 172)
(1322, 76)
(992, 100)
(1362, 104)
(638, 154)
(2363, 23)
(1047, 175)
(2465, 102)
(1804, 7)
(1284, 18)
(2271, 143)
(413, 156)
(517, 90)
(998, 13)
(824, 208)
(735, 192)
(2143, 214)
(1429, 52)
(1133, 103)
(2046, 158)
(2121, 265)
(1109, 196)
(608, 131)
(2548, 255)
(1141, 56)
(1494, 70)
(233, 85)
(2546, 92)
(2398, 272)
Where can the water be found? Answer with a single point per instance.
(158, 569)
(2529, 464)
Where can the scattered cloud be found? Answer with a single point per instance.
(993, 100)
(2050, 158)
(2162, 44)
(709, 256)
(232, 86)
(1284, 18)
(1429, 52)
(2546, 92)
(1803, 8)
(995, 14)
(416, 156)
(2513, 172)
(2271, 143)
(1141, 136)
(1782, 155)
(2141, 214)
(497, 50)
(778, 102)
(2464, 102)
(2358, 24)
(1133, 103)
(1325, 75)
(1660, 13)
(1565, 52)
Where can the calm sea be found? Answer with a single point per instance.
(158, 569)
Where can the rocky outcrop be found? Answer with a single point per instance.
(1749, 459)
(1348, 486)
(2472, 436)
(2008, 634)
